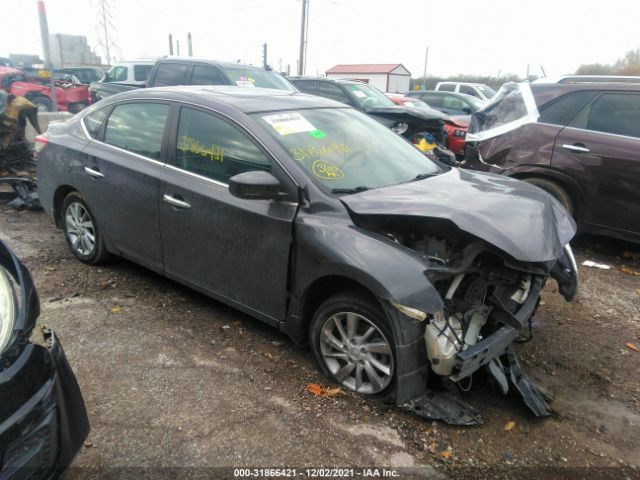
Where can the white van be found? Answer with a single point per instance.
(478, 90)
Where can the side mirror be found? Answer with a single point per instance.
(255, 185)
(446, 156)
(467, 110)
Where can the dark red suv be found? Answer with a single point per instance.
(581, 143)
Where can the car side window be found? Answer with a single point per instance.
(450, 101)
(210, 146)
(561, 111)
(333, 92)
(434, 101)
(141, 72)
(447, 88)
(138, 128)
(93, 122)
(306, 86)
(118, 74)
(617, 113)
(206, 76)
(169, 74)
(469, 91)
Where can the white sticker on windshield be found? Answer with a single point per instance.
(359, 93)
(244, 83)
(288, 123)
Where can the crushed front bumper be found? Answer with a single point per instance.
(43, 420)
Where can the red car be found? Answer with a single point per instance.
(71, 97)
(456, 125)
(456, 128)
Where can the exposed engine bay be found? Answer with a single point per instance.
(489, 300)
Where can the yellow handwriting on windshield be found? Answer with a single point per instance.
(326, 170)
(319, 151)
(189, 144)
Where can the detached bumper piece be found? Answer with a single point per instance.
(39, 439)
(24, 194)
(445, 406)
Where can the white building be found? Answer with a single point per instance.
(388, 77)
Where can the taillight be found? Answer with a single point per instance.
(89, 97)
(41, 142)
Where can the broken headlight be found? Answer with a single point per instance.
(8, 309)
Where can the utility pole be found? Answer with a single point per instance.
(46, 52)
(424, 80)
(178, 47)
(170, 44)
(264, 56)
(304, 24)
(189, 45)
(527, 72)
(544, 74)
(106, 33)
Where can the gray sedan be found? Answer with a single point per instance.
(405, 276)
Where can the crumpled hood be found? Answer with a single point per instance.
(408, 114)
(519, 219)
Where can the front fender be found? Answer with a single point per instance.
(335, 247)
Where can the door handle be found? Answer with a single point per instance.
(175, 202)
(578, 148)
(93, 173)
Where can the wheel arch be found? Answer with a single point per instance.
(58, 197)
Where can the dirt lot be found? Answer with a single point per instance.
(175, 380)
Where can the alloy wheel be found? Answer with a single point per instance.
(80, 229)
(357, 353)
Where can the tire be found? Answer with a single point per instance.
(555, 190)
(81, 231)
(43, 103)
(344, 356)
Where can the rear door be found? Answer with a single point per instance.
(601, 149)
(235, 249)
(121, 170)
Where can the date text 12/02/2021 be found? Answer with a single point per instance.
(315, 472)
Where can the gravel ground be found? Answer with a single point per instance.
(176, 383)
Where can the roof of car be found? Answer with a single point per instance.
(545, 92)
(293, 78)
(248, 100)
(227, 64)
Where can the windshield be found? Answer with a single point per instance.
(366, 96)
(487, 91)
(476, 103)
(255, 77)
(346, 151)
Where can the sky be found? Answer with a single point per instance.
(463, 36)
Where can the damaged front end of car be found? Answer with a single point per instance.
(488, 300)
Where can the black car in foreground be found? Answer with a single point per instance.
(405, 275)
(414, 123)
(43, 421)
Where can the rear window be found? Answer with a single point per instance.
(141, 72)
(447, 87)
(169, 74)
(306, 86)
(124, 128)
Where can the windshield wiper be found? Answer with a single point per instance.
(422, 176)
(350, 190)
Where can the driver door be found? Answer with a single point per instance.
(232, 248)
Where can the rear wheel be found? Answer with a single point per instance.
(555, 190)
(43, 103)
(81, 231)
(352, 345)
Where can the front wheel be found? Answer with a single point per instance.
(352, 345)
(555, 190)
(81, 231)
